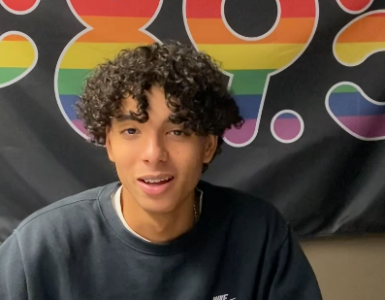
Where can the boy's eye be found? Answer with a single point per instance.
(130, 131)
(178, 132)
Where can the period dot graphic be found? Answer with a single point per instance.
(287, 126)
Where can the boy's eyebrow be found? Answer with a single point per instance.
(130, 117)
(125, 117)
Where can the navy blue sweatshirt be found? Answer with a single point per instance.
(78, 248)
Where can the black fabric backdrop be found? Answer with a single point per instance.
(327, 182)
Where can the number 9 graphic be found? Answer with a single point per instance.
(250, 62)
(18, 51)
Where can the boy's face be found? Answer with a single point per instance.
(157, 150)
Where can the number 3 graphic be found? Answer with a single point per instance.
(18, 52)
(110, 27)
(346, 102)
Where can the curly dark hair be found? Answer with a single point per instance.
(194, 90)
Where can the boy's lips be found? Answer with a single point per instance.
(155, 185)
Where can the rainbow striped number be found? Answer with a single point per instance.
(250, 62)
(110, 27)
(18, 52)
(348, 105)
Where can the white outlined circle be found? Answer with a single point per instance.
(88, 28)
(299, 118)
(266, 86)
(23, 12)
(34, 62)
(354, 12)
(251, 39)
(363, 94)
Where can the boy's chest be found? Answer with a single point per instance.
(215, 274)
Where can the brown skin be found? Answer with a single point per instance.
(151, 148)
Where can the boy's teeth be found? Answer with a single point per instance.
(157, 180)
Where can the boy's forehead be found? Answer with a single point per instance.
(129, 103)
(156, 103)
(157, 109)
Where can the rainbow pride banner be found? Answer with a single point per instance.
(113, 25)
(322, 116)
(249, 62)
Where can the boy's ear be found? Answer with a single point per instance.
(211, 144)
(109, 144)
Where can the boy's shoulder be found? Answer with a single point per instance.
(65, 210)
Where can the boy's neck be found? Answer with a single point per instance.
(159, 228)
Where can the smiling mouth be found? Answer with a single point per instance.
(156, 181)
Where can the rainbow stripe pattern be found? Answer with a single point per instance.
(287, 126)
(361, 38)
(111, 26)
(18, 56)
(251, 61)
(346, 102)
(355, 112)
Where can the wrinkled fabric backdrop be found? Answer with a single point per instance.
(308, 75)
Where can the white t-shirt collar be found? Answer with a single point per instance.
(118, 208)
